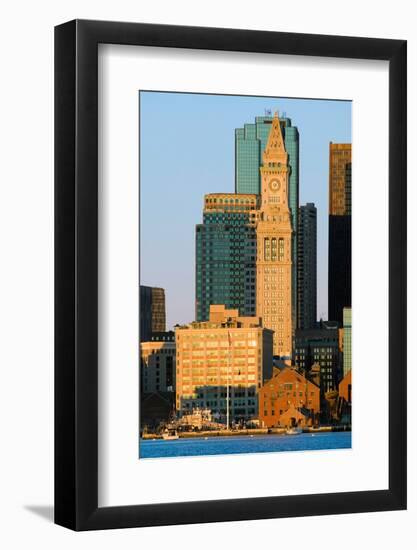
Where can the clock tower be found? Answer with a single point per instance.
(274, 231)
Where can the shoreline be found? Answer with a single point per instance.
(248, 433)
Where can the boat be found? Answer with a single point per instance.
(294, 431)
(170, 435)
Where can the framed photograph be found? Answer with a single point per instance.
(230, 255)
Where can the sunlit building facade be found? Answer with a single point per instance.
(250, 145)
(274, 296)
(228, 355)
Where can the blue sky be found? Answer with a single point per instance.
(187, 150)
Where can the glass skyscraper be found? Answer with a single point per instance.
(226, 255)
(250, 143)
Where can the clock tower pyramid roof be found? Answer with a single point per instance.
(275, 148)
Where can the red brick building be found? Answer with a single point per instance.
(288, 389)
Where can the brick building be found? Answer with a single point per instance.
(288, 389)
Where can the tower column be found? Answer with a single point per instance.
(274, 244)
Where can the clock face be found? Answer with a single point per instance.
(274, 185)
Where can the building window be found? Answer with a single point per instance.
(267, 250)
(273, 249)
(281, 250)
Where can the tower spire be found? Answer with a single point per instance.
(275, 149)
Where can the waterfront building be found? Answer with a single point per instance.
(319, 348)
(340, 233)
(274, 240)
(225, 358)
(226, 254)
(307, 267)
(347, 340)
(152, 311)
(250, 144)
(288, 399)
(157, 363)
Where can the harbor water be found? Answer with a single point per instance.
(160, 448)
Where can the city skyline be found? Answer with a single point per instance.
(247, 361)
(198, 152)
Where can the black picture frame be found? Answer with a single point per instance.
(76, 272)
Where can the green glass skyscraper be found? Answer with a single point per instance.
(226, 255)
(250, 142)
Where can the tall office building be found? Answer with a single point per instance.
(244, 256)
(347, 340)
(152, 311)
(250, 144)
(274, 241)
(226, 254)
(340, 233)
(319, 347)
(307, 267)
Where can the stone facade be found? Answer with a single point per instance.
(274, 239)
